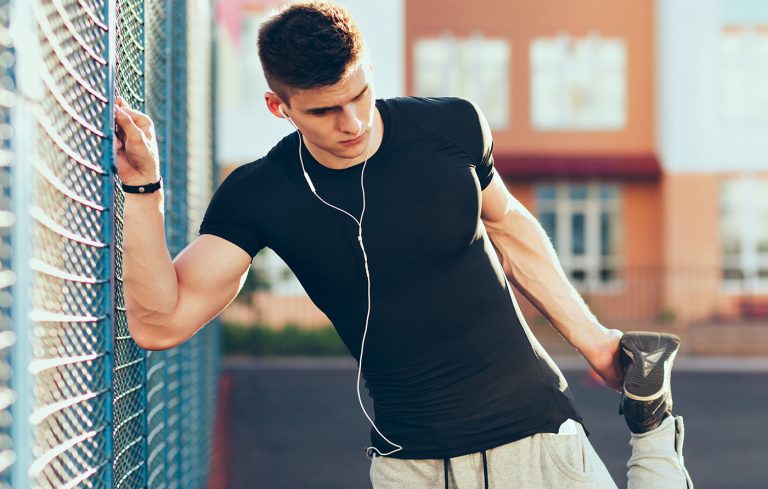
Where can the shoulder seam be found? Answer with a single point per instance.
(435, 133)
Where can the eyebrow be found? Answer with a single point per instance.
(323, 109)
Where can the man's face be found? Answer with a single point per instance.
(336, 120)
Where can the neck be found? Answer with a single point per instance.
(336, 163)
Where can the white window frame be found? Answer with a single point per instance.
(743, 75)
(461, 68)
(749, 260)
(592, 65)
(592, 207)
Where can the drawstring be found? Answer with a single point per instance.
(485, 470)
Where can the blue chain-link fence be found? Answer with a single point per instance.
(7, 277)
(81, 405)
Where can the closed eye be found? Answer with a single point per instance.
(361, 94)
(320, 111)
(325, 110)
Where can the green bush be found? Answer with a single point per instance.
(261, 340)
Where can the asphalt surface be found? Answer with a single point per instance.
(298, 424)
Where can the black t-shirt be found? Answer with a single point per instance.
(449, 362)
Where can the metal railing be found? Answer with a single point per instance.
(637, 296)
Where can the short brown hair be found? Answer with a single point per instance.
(308, 45)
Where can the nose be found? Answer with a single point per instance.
(349, 121)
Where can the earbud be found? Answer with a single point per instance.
(280, 109)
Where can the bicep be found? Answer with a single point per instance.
(517, 236)
(498, 204)
(210, 273)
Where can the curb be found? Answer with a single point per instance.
(564, 362)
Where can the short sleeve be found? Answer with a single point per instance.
(460, 121)
(484, 156)
(228, 217)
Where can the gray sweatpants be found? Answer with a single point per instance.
(545, 460)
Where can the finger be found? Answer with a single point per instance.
(129, 127)
(123, 119)
(120, 101)
(142, 120)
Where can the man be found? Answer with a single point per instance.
(392, 216)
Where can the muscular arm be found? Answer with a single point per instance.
(531, 264)
(167, 301)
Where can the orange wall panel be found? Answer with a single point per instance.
(692, 245)
(524, 193)
(642, 226)
(692, 210)
(521, 21)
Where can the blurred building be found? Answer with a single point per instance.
(712, 123)
(635, 131)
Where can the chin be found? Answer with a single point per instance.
(350, 153)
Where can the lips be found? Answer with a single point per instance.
(350, 142)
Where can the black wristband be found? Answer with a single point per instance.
(143, 189)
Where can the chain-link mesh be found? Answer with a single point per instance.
(195, 393)
(7, 277)
(176, 221)
(200, 105)
(159, 81)
(130, 430)
(92, 408)
(70, 258)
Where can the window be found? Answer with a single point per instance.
(475, 67)
(744, 235)
(578, 83)
(743, 70)
(583, 222)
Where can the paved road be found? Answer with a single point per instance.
(298, 425)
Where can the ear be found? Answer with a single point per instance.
(273, 104)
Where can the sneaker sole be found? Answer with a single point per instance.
(653, 355)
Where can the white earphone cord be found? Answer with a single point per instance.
(367, 275)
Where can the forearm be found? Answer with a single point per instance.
(149, 278)
(530, 262)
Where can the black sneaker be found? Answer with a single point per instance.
(647, 359)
